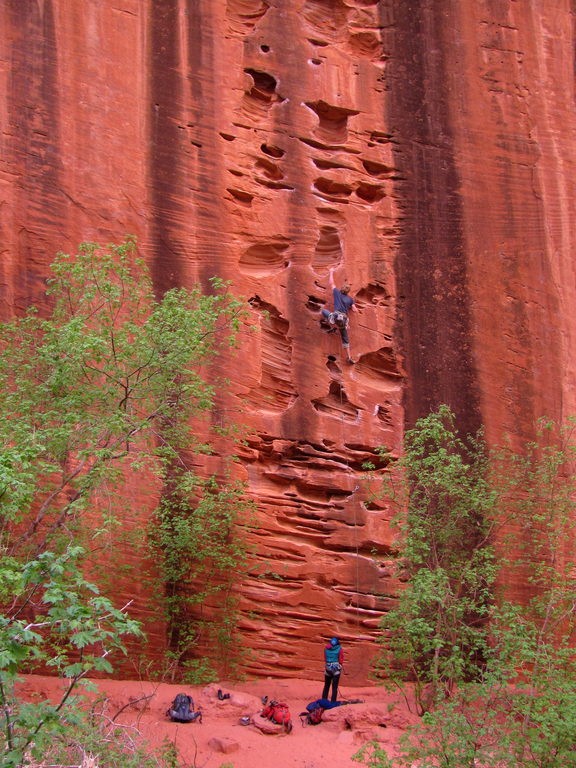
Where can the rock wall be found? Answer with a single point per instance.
(424, 149)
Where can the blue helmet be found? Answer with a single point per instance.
(334, 641)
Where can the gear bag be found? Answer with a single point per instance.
(314, 713)
(278, 713)
(181, 710)
(316, 709)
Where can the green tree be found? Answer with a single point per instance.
(436, 635)
(108, 386)
(516, 708)
(199, 557)
(59, 619)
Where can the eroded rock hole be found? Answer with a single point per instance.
(332, 188)
(337, 404)
(325, 165)
(380, 138)
(332, 365)
(370, 193)
(264, 84)
(259, 98)
(328, 251)
(274, 184)
(384, 415)
(382, 362)
(272, 151)
(241, 195)
(314, 303)
(332, 121)
(264, 259)
(265, 48)
(379, 170)
(373, 294)
(243, 15)
(366, 45)
(270, 169)
(328, 17)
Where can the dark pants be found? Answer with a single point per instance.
(334, 680)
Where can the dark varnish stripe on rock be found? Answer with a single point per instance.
(434, 319)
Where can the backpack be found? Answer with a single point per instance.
(181, 710)
(315, 717)
(313, 714)
(278, 713)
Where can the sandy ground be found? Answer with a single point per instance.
(381, 716)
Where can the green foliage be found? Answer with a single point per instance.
(104, 387)
(436, 635)
(109, 744)
(199, 556)
(61, 620)
(109, 386)
(198, 672)
(373, 755)
(519, 708)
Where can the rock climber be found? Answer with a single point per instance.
(334, 659)
(338, 319)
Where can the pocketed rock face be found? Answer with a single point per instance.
(423, 150)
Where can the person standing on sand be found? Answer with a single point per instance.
(333, 659)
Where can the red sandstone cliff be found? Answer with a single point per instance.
(423, 148)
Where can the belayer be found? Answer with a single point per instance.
(333, 661)
(338, 319)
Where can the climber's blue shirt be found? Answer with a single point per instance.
(342, 302)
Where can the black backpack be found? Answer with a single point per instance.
(181, 710)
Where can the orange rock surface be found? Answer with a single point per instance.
(425, 151)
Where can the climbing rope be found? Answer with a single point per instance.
(356, 547)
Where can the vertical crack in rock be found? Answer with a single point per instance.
(431, 266)
(276, 391)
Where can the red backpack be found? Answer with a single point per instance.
(278, 713)
(313, 714)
